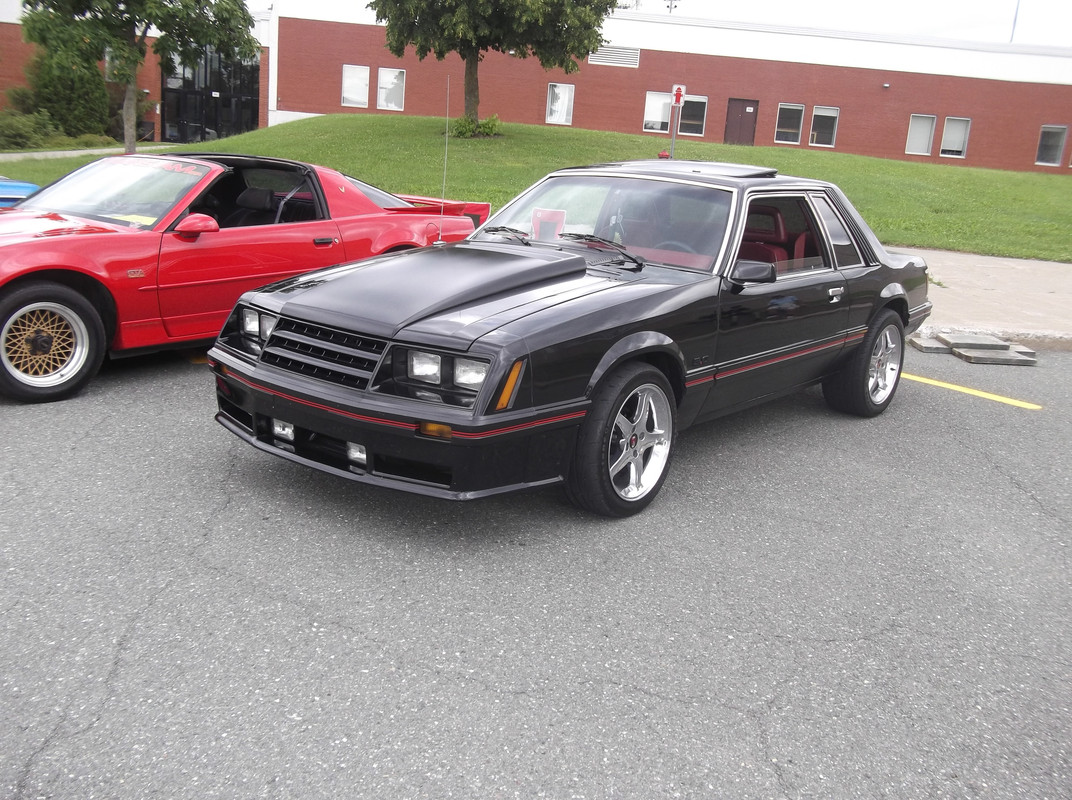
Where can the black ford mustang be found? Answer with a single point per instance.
(573, 336)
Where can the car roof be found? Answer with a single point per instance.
(233, 160)
(713, 172)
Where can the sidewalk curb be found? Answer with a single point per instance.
(1043, 340)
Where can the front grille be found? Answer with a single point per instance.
(337, 357)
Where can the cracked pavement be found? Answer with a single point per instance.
(815, 606)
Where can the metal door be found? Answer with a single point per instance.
(741, 121)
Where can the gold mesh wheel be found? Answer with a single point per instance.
(44, 344)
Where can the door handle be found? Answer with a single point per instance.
(835, 294)
(323, 240)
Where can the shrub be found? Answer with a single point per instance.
(465, 128)
(22, 99)
(488, 126)
(24, 131)
(74, 96)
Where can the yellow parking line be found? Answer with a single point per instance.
(975, 392)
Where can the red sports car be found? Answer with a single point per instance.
(142, 252)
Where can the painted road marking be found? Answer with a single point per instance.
(974, 392)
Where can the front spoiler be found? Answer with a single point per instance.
(387, 482)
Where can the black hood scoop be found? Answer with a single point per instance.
(384, 295)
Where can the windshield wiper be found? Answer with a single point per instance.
(591, 238)
(514, 233)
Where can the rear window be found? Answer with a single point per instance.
(378, 196)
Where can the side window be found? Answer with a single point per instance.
(845, 252)
(264, 197)
(781, 229)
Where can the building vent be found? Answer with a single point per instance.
(616, 57)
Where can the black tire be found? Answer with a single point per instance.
(866, 384)
(51, 342)
(625, 445)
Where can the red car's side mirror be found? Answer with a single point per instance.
(193, 225)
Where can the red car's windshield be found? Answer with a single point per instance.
(125, 190)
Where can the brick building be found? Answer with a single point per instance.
(999, 106)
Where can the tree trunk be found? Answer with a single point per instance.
(472, 87)
(130, 117)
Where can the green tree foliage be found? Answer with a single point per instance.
(556, 32)
(81, 32)
(74, 95)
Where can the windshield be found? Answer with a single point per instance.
(663, 221)
(128, 191)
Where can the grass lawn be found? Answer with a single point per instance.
(938, 206)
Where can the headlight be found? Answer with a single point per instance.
(470, 374)
(433, 377)
(257, 324)
(426, 367)
(248, 329)
(251, 321)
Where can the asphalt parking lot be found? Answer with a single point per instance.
(815, 606)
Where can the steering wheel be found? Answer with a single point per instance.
(674, 244)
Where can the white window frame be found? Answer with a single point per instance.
(824, 111)
(559, 93)
(800, 125)
(950, 134)
(694, 100)
(915, 121)
(1063, 131)
(655, 103)
(659, 110)
(355, 86)
(387, 83)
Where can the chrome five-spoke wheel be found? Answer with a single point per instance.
(886, 358)
(625, 445)
(640, 442)
(866, 383)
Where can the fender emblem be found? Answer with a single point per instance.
(135, 273)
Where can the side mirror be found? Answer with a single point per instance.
(745, 271)
(193, 225)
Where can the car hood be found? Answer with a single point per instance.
(459, 291)
(11, 190)
(17, 225)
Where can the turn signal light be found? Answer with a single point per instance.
(513, 380)
(436, 429)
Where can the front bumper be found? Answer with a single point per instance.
(483, 456)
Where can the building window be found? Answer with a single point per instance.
(920, 135)
(559, 104)
(823, 126)
(1051, 145)
(955, 137)
(657, 112)
(391, 89)
(693, 115)
(355, 83)
(658, 108)
(790, 123)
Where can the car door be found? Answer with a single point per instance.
(201, 277)
(777, 335)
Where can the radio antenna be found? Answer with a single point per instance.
(446, 146)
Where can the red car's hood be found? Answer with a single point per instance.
(17, 225)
